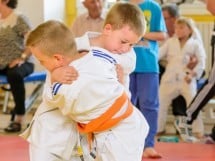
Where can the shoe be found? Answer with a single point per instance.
(13, 127)
(151, 153)
(184, 130)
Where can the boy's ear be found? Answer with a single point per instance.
(107, 28)
(59, 59)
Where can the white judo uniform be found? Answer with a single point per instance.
(126, 60)
(173, 81)
(95, 90)
(52, 136)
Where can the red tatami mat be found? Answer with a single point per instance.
(13, 148)
(185, 152)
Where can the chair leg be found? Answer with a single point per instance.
(6, 100)
(32, 98)
(29, 100)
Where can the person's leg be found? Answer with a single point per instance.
(166, 96)
(210, 139)
(15, 77)
(162, 70)
(188, 91)
(213, 133)
(121, 143)
(179, 106)
(148, 101)
(202, 97)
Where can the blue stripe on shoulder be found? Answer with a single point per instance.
(102, 55)
(55, 88)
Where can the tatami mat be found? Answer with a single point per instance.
(14, 148)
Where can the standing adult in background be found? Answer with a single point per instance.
(170, 13)
(92, 20)
(15, 61)
(144, 81)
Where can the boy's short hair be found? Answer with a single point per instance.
(125, 13)
(52, 37)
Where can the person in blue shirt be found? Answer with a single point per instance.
(144, 81)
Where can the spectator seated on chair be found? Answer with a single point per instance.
(35, 77)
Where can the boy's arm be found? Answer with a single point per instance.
(47, 90)
(61, 96)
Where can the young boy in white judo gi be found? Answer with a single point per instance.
(126, 60)
(95, 92)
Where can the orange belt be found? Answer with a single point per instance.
(106, 120)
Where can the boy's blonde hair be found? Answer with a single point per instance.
(186, 21)
(52, 37)
(125, 13)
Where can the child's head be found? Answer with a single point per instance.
(184, 27)
(124, 26)
(52, 43)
